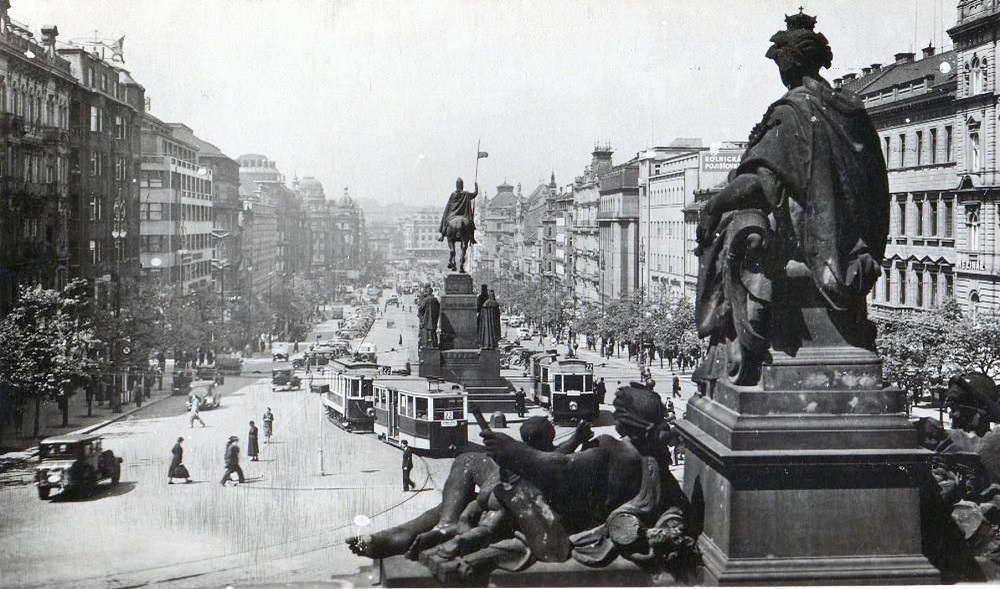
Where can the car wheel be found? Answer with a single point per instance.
(43, 492)
(116, 477)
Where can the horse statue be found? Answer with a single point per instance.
(459, 229)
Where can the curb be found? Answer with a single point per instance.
(32, 452)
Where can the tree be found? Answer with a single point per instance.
(917, 348)
(975, 345)
(42, 348)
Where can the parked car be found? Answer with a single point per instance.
(181, 384)
(209, 372)
(74, 462)
(392, 300)
(229, 365)
(279, 354)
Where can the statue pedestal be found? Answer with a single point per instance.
(459, 358)
(810, 477)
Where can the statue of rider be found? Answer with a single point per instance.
(459, 205)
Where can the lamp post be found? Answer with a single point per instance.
(119, 232)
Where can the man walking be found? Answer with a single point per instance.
(195, 405)
(407, 467)
(232, 460)
(519, 401)
(600, 389)
(268, 425)
(676, 387)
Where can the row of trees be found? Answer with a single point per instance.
(55, 343)
(921, 351)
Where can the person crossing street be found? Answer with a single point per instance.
(232, 461)
(407, 467)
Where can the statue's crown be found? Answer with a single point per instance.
(800, 21)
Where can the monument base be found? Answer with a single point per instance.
(794, 497)
(397, 571)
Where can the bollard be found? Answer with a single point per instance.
(498, 420)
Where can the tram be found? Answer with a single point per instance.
(571, 390)
(348, 398)
(538, 370)
(430, 416)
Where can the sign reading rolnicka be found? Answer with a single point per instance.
(722, 160)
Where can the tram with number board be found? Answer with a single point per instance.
(571, 390)
(348, 395)
(430, 416)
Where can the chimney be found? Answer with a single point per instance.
(876, 67)
(928, 51)
(904, 57)
(837, 83)
(849, 77)
(865, 71)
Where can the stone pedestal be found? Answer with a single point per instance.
(459, 358)
(811, 476)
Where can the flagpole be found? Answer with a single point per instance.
(476, 180)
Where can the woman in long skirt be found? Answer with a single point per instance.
(268, 423)
(252, 448)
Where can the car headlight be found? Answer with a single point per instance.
(573, 406)
(54, 476)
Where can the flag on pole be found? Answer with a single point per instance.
(482, 154)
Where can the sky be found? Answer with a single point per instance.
(391, 98)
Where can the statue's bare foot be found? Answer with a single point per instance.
(370, 546)
(429, 539)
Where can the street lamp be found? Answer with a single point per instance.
(119, 232)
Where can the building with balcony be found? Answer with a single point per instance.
(260, 181)
(35, 208)
(586, 231)
(175, 208)
(499, 219)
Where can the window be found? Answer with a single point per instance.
(949, 219)
(933, 146)
(974, 76)
(975, 155)
(119, 127)
(888, 149)
(949, 286)
(919, 205)
(902, 150)
(887, 294)
(948, 155)
(972, 227)
(932, 222)
(920, 289)
(902, 218)
(95, 119)
(920, 147)
(933, 277)
(902, 286)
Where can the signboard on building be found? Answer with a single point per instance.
(722, 160)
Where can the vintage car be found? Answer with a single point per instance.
(229, 365)
(205, 391)
(209, 372)
(181, 384)
(279, 354)
(74, 463)
(392, 300)
(285, 379)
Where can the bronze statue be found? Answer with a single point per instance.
(458, 225)
(806, 212)
(488, 324)
(471, 480)
(428, 312)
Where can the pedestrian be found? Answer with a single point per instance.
(252, 449)
(600, 389)
(195, 406)
(407, 467)
(295, 347)
(177, 469)
(210, 356)
(232, 460)
(137, 393)
(519, 401)
(400, 339)
(676, 393)
(268, 425)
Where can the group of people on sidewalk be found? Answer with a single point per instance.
(178, 470)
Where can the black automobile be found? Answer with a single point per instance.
(285, 379)
(181, 384)
(208, 372)
(74, 463)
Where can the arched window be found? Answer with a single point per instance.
(974, 305)
(972, 227)
(975, 75)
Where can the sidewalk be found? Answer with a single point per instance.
(50, 420)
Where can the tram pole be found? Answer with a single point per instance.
(321, 410)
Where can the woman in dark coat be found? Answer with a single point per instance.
(176, 461)
(252, 449)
